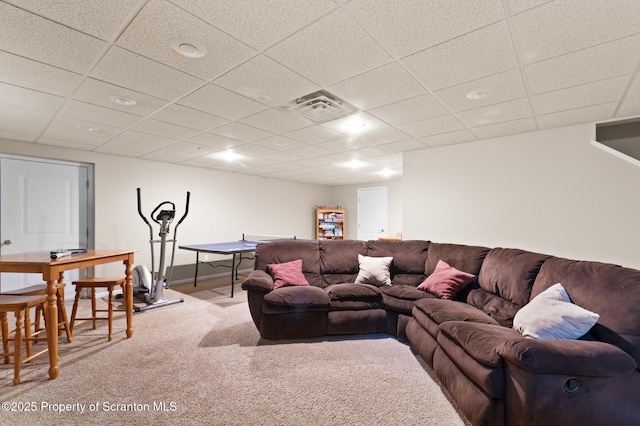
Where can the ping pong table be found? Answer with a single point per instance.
(234, 248)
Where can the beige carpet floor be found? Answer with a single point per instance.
(203, 362)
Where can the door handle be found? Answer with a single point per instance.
(380, 230)
(6, 243)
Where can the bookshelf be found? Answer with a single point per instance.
(329, 224)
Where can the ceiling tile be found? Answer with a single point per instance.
(97, 114)
(433, 126)
(498, 88)
(370, 151)
(575, 116)
(98, 92)
(266, 81)
(506, 128)
(221, 102)
(138, 73)
(79, 131)
(188, 117)
(316, 50)
(34, 75)
(168, 130)
(407, 26)
(491, 114)
(31, 36)
(256, 22)
(253, 150)
(365, 90)
(449, 138)
(402, 146)
(282, 157)
(478, 54)
(565, 26)
(167, 155)
(377, 137)
(130, 149)
(344, 144)
(517, 6)
(599, 92)
(100, 20)
(23, 121)
(70, 143)
(160, 22)
(214, 141)
(596, 63)
(629, 107)
(280, 143)
(410, 110)
(30, 99)
(240, 132)
(276, 121)
(153, 141)
(19, 137)
(314, 134)
(634, 90)
(309, 151)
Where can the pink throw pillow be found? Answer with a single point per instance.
(446, 281)
(289, 273)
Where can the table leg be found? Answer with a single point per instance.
(52, 329)
(128, 296)
(195, 277)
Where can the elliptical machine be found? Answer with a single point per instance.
(142, 278)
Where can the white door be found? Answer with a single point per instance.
(372, 213)
(43, 207)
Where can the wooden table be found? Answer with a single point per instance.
(53, 272)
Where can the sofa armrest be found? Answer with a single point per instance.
(258, 280)
(574, 357)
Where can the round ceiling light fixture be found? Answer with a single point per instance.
(187, 48)
(476, 95)
(121, 100)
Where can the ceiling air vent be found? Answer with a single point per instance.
(320, 107)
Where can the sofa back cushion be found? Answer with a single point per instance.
(339, 260)
(506, 278)
(409, 257)
(287, 251)
(462, 257)
(609, 290)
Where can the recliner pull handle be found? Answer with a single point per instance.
(571, 385)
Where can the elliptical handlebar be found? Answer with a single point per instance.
(142, 214)
(186, 210)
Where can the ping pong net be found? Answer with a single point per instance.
(263, 238)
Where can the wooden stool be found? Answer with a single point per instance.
(20, 306)
(93, 283)
(41, 289)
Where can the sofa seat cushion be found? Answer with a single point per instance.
(353, 291)
(298, 296)
(405, 292)
(472, 347)
(441, 311)
(353, 296)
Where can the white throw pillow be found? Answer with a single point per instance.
(374, 270)
(552, 315)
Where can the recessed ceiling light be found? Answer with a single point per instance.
(387, 172)
(354, 164)
(121, 100)
(187, 48)
(226, 155)
(87, 129)
(476, 95)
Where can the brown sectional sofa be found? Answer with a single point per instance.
(496, 375)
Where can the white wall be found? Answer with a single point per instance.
(347, 196)
(549, 191)
(223, 205)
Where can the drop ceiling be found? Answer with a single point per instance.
(421, 74)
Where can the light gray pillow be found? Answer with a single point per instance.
(552, 315)
(374, 270)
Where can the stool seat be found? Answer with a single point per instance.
(93, 283)
(41, 289)
(20, 306)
